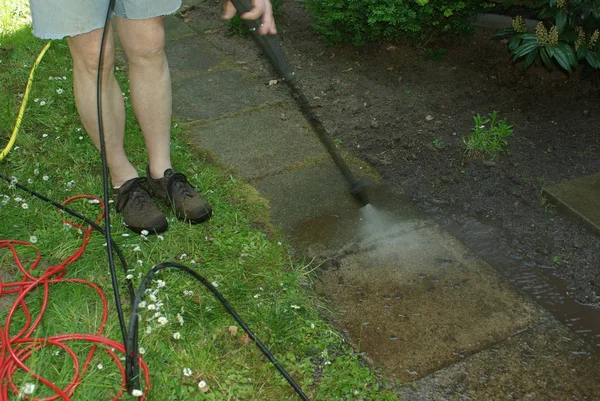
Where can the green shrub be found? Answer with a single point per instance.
(567, 35)
(488, 136)
(361, 21)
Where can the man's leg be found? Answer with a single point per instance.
(150, 86)
(139, 211)
(85, 50)
(143, 41)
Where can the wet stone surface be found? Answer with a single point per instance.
(416, 301)
(544, 363)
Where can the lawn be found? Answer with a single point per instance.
(192, 347)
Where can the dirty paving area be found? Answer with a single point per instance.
(462, 278)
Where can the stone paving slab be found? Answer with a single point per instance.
(544, 363)
(210, 94)
(579, 197)
(302, 194)
(190, 55)
(262, 142)
(334, 232)
(418, 295)
(175, 28)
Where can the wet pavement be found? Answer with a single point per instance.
(411, 298)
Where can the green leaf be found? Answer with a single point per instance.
(504, 32)
(531, 58)
(593, 59)
(524, 49)
(561, 20)
(565, 56)
(546, 59)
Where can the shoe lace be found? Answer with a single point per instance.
(179, 185)
(135, 192)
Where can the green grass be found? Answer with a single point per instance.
(251, 266)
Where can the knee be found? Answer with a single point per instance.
(85, 53)
(148, 49)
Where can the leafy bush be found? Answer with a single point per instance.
(567, 35)
(488, 136)
(360, 21)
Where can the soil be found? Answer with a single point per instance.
(405, 110)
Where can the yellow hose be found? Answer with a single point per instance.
(13, 137)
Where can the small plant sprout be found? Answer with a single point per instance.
(488, 136)
(438, 143)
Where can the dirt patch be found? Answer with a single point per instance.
(405, 110)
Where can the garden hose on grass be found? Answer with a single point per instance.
(271, 47)
(131, 372)
(13, 137)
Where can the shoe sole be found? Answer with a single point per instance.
(155, 230)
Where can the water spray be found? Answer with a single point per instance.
(271, 47)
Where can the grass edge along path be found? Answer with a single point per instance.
(192, 347)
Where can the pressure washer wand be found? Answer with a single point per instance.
(271, 47)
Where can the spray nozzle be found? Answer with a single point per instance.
(360, 194)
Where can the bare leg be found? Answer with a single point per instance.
(84, 50)
(150, 82)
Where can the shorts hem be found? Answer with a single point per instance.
(58, 36)
(159, 15)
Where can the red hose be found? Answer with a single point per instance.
(16, 349)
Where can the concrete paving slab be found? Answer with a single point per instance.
(262, 142)
(175, 28)
(496, 21)
(546, 362)
(415, 300)
(335, 232)
(209, 94)
(579, 197)
(307, 193)
(191, 55)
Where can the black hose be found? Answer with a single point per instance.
(132, 341)
(130, 335)
(271, 47)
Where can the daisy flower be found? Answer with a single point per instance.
(28, 388)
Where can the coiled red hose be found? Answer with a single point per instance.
(16, 349)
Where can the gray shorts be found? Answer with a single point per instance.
(55, 19)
